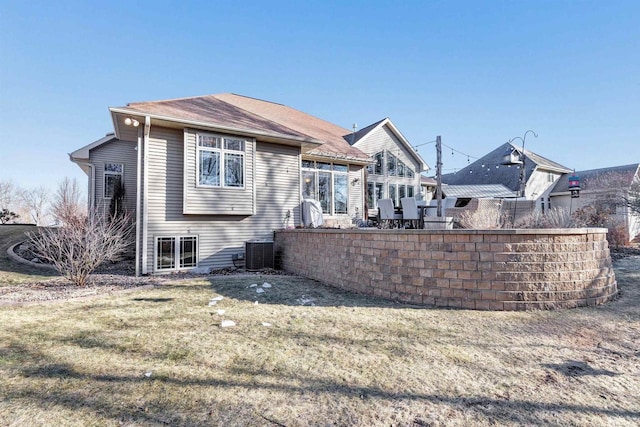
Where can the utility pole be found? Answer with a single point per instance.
(439, 176)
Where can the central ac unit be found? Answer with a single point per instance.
(259, 254)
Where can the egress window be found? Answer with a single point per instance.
(112, 176)
(221, 161)
(176, 252)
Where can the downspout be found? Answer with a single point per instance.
(92, 180)
(145, 198)
(139, 149)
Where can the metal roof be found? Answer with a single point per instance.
(478, 191)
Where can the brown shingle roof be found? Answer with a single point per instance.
(241, 112)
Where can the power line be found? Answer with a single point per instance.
(468, 156)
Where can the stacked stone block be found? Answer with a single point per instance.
(473, 269)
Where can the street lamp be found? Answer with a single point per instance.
(522, 162)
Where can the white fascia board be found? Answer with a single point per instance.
(83, 153)
(215, 127)
(408, 146)
(403, 140)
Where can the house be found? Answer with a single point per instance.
(396, 169)
(502, 166)
(604, 187)
(497, 175)
(205, 174)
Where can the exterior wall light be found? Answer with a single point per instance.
(131, 122)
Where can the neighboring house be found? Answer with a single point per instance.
(502, 166)
(396, 169)
(205, 174)
(604, 187)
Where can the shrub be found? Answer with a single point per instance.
(76, 249)
(6, 215)
(486, 217)
(554, 218)
(617, 234)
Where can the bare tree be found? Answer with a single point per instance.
(76, 249)
(632, 198)
(36, 201)
(7, 194)
(68, 206)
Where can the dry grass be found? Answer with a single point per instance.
(10, 272)
(328, 358)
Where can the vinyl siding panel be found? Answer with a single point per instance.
(277, 188)
(384, 140)
(217, 200)
(117, 151)
(356, 191)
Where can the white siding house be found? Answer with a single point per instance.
(204, 175)
(396, 167)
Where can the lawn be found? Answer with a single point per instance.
(12, 273)
(306, 354)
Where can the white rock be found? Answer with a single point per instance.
(259, 291)
(227, 323)
(213, 302)
(266, 285)
(266, 324)
(253, 285)
(218, 298)
(255, 303)
(220, 312)
(148, 374)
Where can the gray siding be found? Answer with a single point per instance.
(276, 189)
(356, 191)
(118, 151)
(384, 139)
(207, 200)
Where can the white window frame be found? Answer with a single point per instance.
(315, 173)
(111, 173)
(223, 152)
(177, 249)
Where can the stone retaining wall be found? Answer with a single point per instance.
(473, 269)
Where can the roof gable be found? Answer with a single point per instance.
(361, 136)
(601, 179)
(490, 170)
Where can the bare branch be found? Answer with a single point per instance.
(36, 201)
(68, 206)
(77, 249)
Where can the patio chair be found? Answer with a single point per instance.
(387, 216)
(410, 212)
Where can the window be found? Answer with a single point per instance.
(376, 168)
(176, 252)
(112, 175)
(393, 193)
(398, 191)
(391, 164)
(327, 183)
(400, 167)
(374, 193)
(221, 161)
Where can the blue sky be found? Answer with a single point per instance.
(476, 73)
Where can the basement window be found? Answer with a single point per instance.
(176, 252)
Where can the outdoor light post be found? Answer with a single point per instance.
(522, 178)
